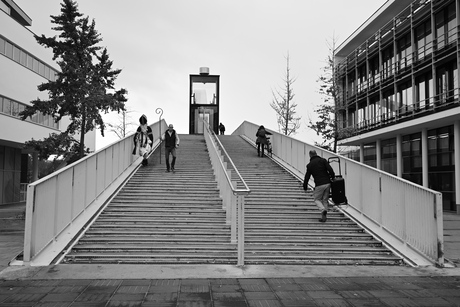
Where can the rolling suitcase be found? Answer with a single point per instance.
(338, 185)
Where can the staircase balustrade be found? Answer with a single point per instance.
(232, 197)
(59, 205)
(407, 217)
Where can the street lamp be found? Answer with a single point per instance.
(159, 111)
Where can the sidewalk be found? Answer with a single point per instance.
(221, 285)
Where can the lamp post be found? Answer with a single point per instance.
(159, 111)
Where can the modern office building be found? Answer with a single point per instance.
(398, 98)
(24, 65)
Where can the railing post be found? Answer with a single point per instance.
(240, 203)
(232, 211)
(440, 226)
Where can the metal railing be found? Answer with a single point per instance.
(407, 217)
(232, 197)
(60, 204)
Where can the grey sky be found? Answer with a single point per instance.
(158, 44)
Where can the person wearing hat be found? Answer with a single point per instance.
(171, 140)
(143, 140)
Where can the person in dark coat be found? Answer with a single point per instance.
(143, 140)
(221, 129)
(322, 174)
(171, 143)
(261, 140)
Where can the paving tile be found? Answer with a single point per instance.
(93, 297)
(133, 289)
(293, 295)
(230, 297)
(354, 294)
(68, 289)
(22, 298)
(10, 290)
(127, 297)
(224, 281)
(264, 303)
(286, 287)
(231, 304)
(124, 303)
(446, 292)
(453, 300)
(281, 281)
(260, 295)
(89, 304)
(303, 303)
(195, 304)
(332, 302)
(386, 293)
(164, 282)
(60, 297)
(53, 304)
(433, 302)
(323, 294)
(226, 288)
(255, 287)
(399, 302)
(164, 288)
(376, 286)
(100, 289)
(306, 280)
(15, 283)
(44, 283)
(106, 283)
(194, 297)
(30, 289)
(4, 297)
(373, 302)
(159, 304)
(194, 288)
(252, 281)
(405, 286)
(24, 304)
(136, 282)
(193, 282)
(161, 296)
(74, 282)
(314, 287)
(417, 293)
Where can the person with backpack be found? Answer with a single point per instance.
(261, 140)
(143, 140)
(322, 174)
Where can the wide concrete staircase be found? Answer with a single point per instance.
(281, 220)
(160, 217)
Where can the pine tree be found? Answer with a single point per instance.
(85, 86)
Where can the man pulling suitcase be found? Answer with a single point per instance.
(323, 174)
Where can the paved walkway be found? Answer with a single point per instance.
(223, 285)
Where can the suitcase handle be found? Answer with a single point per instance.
(335, 159)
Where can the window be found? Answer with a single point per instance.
(412, 158)
(424, 40)
(404, 52)
(351, 84)
(9, 50)
(387, 62)
(446, 22)
(374, 75)
(388, 105)
(370, 156)
(2, 46)
(446, 83)
(388, 150)
(404, 97)
(362, 73)
(424, 91)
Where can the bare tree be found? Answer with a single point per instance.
(122, 127)
(284, 105)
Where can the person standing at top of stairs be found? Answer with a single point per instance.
(171, 143)
(323, 174)
(143, 140)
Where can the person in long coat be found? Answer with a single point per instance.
(261, 140)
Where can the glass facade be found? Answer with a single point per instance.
(388, 151)
(412, 158)
(441, 168)
(10, 175)
(370, 154)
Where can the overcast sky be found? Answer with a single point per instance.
(158, 44)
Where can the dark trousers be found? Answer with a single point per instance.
(170, 150)
(258, 149)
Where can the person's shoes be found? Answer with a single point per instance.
(172, 168)
(323, 216)
(167, 171)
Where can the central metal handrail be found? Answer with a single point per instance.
(232, 197)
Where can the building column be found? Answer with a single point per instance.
(399, 165)
(361, 153)
(425, 158)
(457, 163)
(378, 154)
(34, 166)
